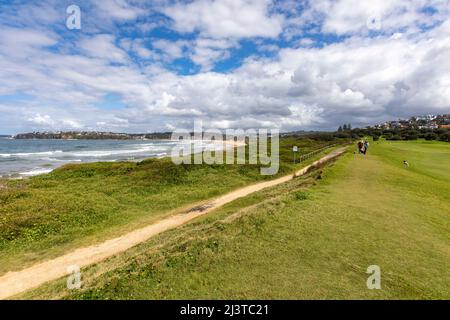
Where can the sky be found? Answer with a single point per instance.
(149, 66)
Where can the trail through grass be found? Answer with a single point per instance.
(311, 238)
(80, 205)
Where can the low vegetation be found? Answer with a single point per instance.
(306, 239)
(79, 205)
(406, 134)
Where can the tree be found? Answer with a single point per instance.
(411, 137)
(445, 136)
(349, 126)
(345, 127)
(431, 136)
(340, 129)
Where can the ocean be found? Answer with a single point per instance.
(25, 158)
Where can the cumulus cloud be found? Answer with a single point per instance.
(118, 9)
(171, 49)
(39, 120)
(102, 46)
(353, 16)
(206, 52)
(305, 83)
(227, 18)
(22, 42)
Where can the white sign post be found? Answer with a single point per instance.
(294, 150)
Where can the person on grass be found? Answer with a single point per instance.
(366, 146)
(360, 147)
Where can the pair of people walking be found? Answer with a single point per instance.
(363, 146)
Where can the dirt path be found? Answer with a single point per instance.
(13, 283)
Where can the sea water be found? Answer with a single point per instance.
(24, 158)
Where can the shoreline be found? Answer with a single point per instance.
(15, 282)
(42, 171)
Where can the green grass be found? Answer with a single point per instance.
(78, 205)
(307, 239)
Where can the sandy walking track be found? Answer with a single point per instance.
(13, 283)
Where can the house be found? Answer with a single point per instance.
(429, 125)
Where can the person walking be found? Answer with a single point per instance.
(360, 146)
(366, 146)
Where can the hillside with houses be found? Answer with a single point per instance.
(420, 122)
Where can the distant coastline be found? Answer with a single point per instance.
(91, 135)
(29, 157)
(23, 158)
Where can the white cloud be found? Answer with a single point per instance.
(172, 49)
(70, 123)
(48, 122)
(306, 42)
(352, 16)
(220, 24)
(138, 47)
(118, 9)
(360, 79)
(226, 18)
(207, 52)
(40, 120)
(21, 43)
(113, 122)
(102, 46)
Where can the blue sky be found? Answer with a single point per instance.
(145, 66)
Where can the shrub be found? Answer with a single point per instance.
(395, 138)
(440, 131)
(301, 195)
(343, 135)
(411, 137)
(445, 136)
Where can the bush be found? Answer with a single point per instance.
(395, 138)
(445, 137)
(440, 131)
(411, 137)
(430, 136)
(343, 135)
(302, 195)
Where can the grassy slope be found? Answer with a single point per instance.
(305, 239)
(79, 205)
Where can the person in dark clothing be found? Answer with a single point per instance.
(366, 146)
(360, 147)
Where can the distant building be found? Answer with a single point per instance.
(430, 125)
(427, 117)
(428, 121)
(395, 125)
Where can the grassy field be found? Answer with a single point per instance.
(78, 205)
(311, 238)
